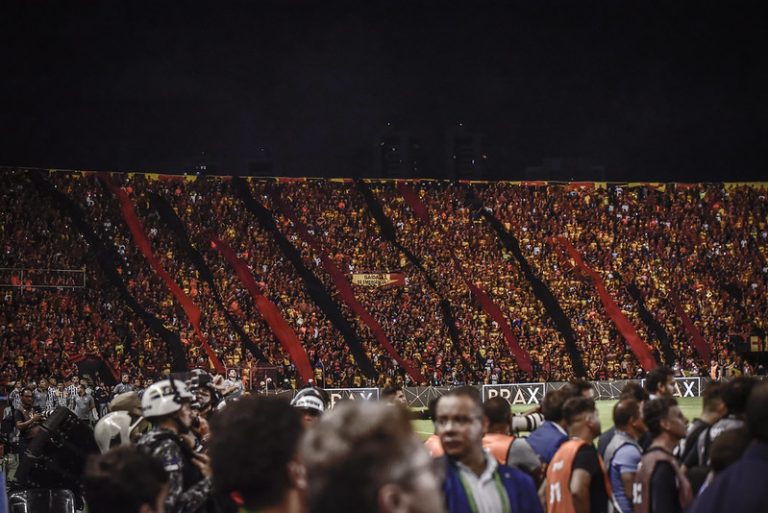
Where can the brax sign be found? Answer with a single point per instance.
(520, 393)
(686, 387)
(353, 394)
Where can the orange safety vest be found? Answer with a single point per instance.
(559, 498)
(499, 445)
(434, 446)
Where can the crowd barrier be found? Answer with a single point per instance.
(514, 393)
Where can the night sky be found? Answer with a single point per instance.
(651, 92)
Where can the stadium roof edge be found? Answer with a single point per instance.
(284, 179)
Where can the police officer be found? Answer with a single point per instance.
(311, 403)
(167, 405)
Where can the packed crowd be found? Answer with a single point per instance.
(702, 245)
(192, 447)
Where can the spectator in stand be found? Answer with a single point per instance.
(125, 480)
(84, 405)
(124, 385)
(474, 477)
(232, 387)
(653, 247)
(72, 387)
(41, 402)
(660, 484)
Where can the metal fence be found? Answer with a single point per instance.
(26, 279)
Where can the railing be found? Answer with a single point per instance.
(25, 279)
(515, 393)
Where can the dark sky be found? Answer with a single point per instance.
(658, 91)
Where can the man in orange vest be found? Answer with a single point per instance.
(576, 479)
(507, 449)
(660, 485)
(432, 444)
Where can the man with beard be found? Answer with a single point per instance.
(167, 405)
(475, 482)
(660, 485)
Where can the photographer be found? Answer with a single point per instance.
(27, 419)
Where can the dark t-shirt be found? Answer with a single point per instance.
(586, 459)
(664, 494)
(27, 433)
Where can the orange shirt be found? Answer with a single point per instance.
(498, 445)
(559, 498)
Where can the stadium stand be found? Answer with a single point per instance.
(644, 273)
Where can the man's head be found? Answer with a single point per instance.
(712, 403)
(75, 379)
(27, 397)
(126, 379)
(580, 415)
(51, 381)
(664, 418)
(727, 448)
(370, 447)
(259, 475)
(127, 401)
(660, 382)
(633, 390)
(757, 412)
(460, 423)
(232, 374)
(628, 417)
(168, 403)
(393, 394)
(736, 395)
(311, 402)
(124, 480)
(583, 388)
(498, 414)
(42, 384)
(80, 389)
(552, 405)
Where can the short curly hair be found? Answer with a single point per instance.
(252, 442)
(655, 411)
(121, 480)
(362, 445)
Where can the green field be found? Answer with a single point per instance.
(691, 407)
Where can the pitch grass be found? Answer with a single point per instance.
(691, 407)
